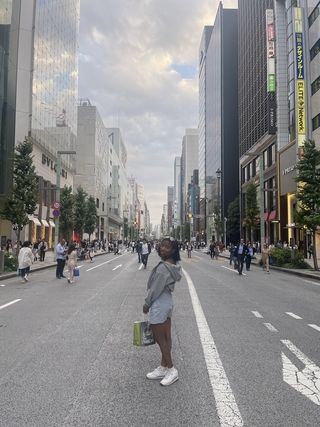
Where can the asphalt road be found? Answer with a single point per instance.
(247, 348)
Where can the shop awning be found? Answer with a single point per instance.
(45, 222)
(35, 220)
(272, 216)
(51, 223)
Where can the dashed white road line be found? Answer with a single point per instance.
(107, 262)
(313, 283)
(232, 269)
(295, 316)
(257, 314)
(116, 268)
(270, 327)
(9, 303)
(316, 327)
(227, 407)
(141, 266)
(3, 286)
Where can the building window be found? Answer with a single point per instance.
(102, 207)
(265, 159)
(97, 202)
(316, 122)
(314, 14)
(243, 175)
(315, 50)
(315, 86)
(273, 154)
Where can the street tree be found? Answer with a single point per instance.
(251, 209)
(24, 197)
(308, 192)
(125, 228)
(233, 221)
(79, 211)
(66, 217)
(90, 222)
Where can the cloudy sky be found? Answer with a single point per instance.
(138, 64)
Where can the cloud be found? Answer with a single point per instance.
(138, 63)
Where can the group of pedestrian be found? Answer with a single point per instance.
(242, 253)
(66, 254)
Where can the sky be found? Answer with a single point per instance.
(138, 63)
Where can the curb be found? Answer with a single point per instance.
(285, 270)
(42, 267)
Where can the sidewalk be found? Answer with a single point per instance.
(47, 263)
(310, 274)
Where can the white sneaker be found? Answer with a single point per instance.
(26, 279)
(158, 373)
(171, 377)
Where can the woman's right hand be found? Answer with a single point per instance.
(145, 309)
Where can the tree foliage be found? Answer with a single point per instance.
(233, 223)
(308, 192)
(24, 197)
(79, 211)
(252, 208)
(90, 220)
(66, 217)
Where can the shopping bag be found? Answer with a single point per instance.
(142, 334)
(76, 272)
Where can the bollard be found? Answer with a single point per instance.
(1, 261)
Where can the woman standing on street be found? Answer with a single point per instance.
(265, 257)
(159, 304)
(25, 259)
(72, 262)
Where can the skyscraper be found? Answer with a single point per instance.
(218, 121)
(40, 82)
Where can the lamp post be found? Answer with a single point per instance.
(58, 173)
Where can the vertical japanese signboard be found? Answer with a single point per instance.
(271, 71)
(300, 77)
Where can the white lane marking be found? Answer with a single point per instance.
(270, 327)
(313, 283)
(316, 327)
(3, 286)
(107, 262)
(79, 266)
(227, 407)
(306, 381)
(257, 314)
(116, 268)
(9, 303)
(140, 267)
(295, 316)
(232, 269)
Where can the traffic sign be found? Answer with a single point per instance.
(56, 205)
(56, 212)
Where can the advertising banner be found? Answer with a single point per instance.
(300, 97)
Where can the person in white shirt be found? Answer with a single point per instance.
(25, 259)
(145, 251)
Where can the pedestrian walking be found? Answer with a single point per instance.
(138, 250)
(71, 262)
(216, 251)
(241, 252)
(43, 247)
(189, 249)
(231, 249)
(61, 258)
(145, 251)
(249, 256)
(35, 250)
(265, 252)
(25, 259)
(211, 249)
(310, 251)
(159, 304)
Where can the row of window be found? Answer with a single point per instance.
(316, 122)
(252, 169)
(314, 14)
(315, 86)
(315, 50)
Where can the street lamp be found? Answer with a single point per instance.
(58, 173)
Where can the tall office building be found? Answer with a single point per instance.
(257, 112)
(170, 203)
(218, 122)
(189, 162)
(177, 192)
(39, 83)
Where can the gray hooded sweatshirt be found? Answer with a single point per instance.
(162, 278)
